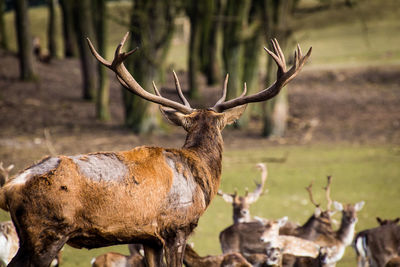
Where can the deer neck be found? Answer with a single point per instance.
(207, 143)
(345, 233)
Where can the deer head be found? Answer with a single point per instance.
(387, 221)
(241, 204)
(223, 112)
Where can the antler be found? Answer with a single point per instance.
(230, 198)
(327, 189)
(126, 79)
(253, 197)
(283, 77)
(309, 190)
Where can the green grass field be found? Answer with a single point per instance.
(359, 172)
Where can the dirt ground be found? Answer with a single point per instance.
(356, 105)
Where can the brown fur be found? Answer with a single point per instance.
(192, 259)
(379, 244)
(394, 262)
(86, 212)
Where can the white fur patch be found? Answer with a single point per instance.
(101, 167)
(182, 189)
(38, 169)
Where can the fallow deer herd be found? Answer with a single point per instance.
(153, 197)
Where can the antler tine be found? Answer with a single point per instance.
(155, 89)
(309, 190)
(283, 77)
(327, 189)
(129, 82)
(179, 90)
(223, 97)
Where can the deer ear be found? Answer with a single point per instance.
(338, 206)
(282, 221)
(175, 117)
(317, 212)
(233, 114)
(226, 197)
(358, 206)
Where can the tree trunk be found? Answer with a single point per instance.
(103, 92)
(152, 25)
(276, 110)
(84, 28)
(3, 33)
(69, 38)
(252, 51)
(51, 30)
(194, 61)
(211, 37)
(236, 16)
(25, 54)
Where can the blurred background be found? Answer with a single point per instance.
(339, 117)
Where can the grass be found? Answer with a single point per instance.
(359, 172)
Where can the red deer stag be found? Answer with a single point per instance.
(377, 246)
(241, 204)
(149, 195)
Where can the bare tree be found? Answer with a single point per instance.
(276, 16)
(3, 33)
(83, 24)
(69, 38)
(152, 26)
(24, 40)
(103, 91)
(51, 29)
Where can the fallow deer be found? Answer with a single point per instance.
(192, 259)
(336, 242)
(241, 204)
(149, 195)
(318, 224)
(343, 237)
(377, 246)
(247, 237)
(114, 259)
(387, 221)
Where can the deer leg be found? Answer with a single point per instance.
(38, 246)
(41, 255)
(153, 255)
(175, 248)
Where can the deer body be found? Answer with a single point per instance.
(175, 185)
(377, 246)
(113, 259)
(192, 259)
